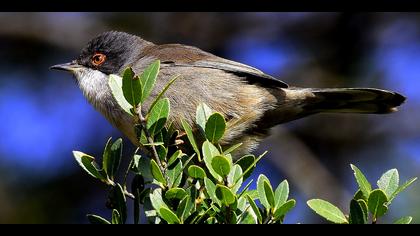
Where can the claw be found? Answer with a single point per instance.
(180, 135)
(178, 142)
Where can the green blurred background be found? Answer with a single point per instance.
(44, 116)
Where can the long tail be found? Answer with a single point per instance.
(354, 100)
(295, 103)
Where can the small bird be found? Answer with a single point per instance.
(251, 101)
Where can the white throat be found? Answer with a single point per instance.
(94, 85)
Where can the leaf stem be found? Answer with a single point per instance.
(268, 219)
(197, 220)
(128, 170)
(128, 194)
(162, 93)
(228, 214)
(249, 168)
(142, 121)
(242, 214)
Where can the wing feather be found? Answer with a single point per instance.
(187, 56)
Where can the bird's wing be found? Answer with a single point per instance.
(187, 56)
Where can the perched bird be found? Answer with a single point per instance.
(251, 101)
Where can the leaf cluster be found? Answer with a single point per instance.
(368, 204)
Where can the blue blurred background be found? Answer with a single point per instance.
(44, 116)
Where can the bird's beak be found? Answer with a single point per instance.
(70, 67)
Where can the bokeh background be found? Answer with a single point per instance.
(44, 116)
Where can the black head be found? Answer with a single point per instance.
(109, 51)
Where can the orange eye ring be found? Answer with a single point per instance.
(98, 59)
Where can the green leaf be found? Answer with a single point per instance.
(159, 137)
(359, 195)
(402, 188)
(232, 148)
(202, 115)
(191, 204)
(162, 93)
(135, 164)
(211, 190)
(363, 205)
(158, 116)
(221, 165)
(211, 220)
(95, 219)
(144, 195)
(269, 193)
(116, 218)
(186, 159)
(149, 210)
(364, 185)
(191, 218)
(145, 167)
(115, 84)
(215, 127)
(148, 79)
(182, 207)
(357, 213)
(389, 182)
(327, 210)
(137, 188)
(112, 157)
(252, 193)
(284, 209)
(131, 87)
(162, 152)
(281, 194)
(248, 218)
(175, 193)
(106, 154)
(196, 172)
(404, 220)
(247, 171)
(157, 174)
(225, 195)
(209, 152)
(234, 178)
(245, 190)
(188, 131)
(254, 208)
(178, 154)
(169, 216)
(241, 206)
(262, 194)
(376, 203)
(119, 201)
(140, 134)
(245, 162)
(175, 173)
(88, 164)
(156, 199)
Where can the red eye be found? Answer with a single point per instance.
(98, 59)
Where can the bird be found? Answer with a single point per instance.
(251, 101)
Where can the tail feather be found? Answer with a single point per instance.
(355, 100)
